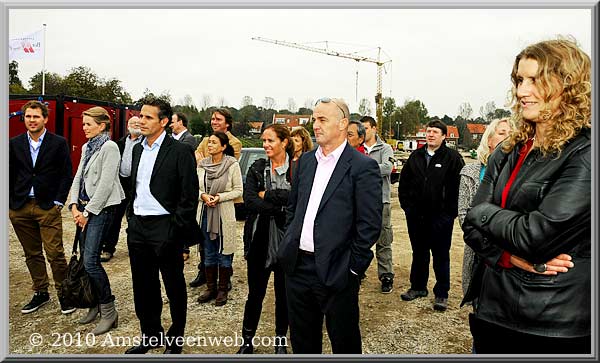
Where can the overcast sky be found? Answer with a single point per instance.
(441, 57)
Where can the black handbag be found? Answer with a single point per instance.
(77, 289)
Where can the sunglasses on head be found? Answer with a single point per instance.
(327, 100)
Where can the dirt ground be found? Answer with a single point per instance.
(388, 324)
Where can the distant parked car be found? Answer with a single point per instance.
(248, 157)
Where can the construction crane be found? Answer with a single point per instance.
(378, 61)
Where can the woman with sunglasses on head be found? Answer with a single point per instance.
(268, 183)
(533, 211)
(220, 181)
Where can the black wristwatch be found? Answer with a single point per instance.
(540, 267)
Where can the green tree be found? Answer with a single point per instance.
(15, 86)
(13, 73)
(465, 139)
(411, 116)
(81, 82)
(448, 120)
(164, 95)
(54, 84)
(501, 113)
(389, 107)
(249, 113)
(304, 111)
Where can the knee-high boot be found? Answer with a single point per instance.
(211, 285)
(224, 276)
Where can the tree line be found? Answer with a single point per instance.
(398, 121)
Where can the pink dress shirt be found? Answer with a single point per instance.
(325, 167)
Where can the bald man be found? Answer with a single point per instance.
(333, 219)
(125, 144)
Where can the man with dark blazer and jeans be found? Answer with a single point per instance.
(125, 144)
(333, 219)
(40, 176)
(161, 216)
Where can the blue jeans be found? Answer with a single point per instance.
(91, 245)
(212, 248)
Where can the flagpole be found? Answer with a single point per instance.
(44, 65)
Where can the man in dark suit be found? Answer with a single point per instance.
(162, 215)
(40, 176)
(333, 220)
(179, 123)
(126, 144)
(180, 132)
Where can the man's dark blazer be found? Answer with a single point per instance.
(174, 184)
(188, 138)
(348, 221)
(51, 177)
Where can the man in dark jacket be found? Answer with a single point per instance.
(161, 215)
(40, 176)
(126, 144)
(428, 192)
(333, 220)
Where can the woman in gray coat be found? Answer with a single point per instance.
(95, 193)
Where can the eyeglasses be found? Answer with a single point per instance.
(327, 100)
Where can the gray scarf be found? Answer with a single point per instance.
(93, 146)
(218, 175)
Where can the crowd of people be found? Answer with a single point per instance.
(314, 215)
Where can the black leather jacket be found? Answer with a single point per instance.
(273, 204)
(548, 212)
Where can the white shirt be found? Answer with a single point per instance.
(145, 204)
(325, 167)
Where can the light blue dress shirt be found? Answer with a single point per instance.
(145, 204)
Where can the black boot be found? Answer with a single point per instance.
(247, 347)
(200, 279)
(280, 344)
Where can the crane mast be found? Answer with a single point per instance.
(378, 95)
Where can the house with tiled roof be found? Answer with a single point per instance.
(255, 127)
(476, 131)
(291, 120)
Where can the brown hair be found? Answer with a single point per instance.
(35, 105)
(283, 133)
(307, 144)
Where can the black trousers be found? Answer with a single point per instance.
(151, 251)
(112, 234)
(430, 234)
(309, 301)
(489, 338)
(258, 280)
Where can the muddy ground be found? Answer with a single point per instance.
(388, 324)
